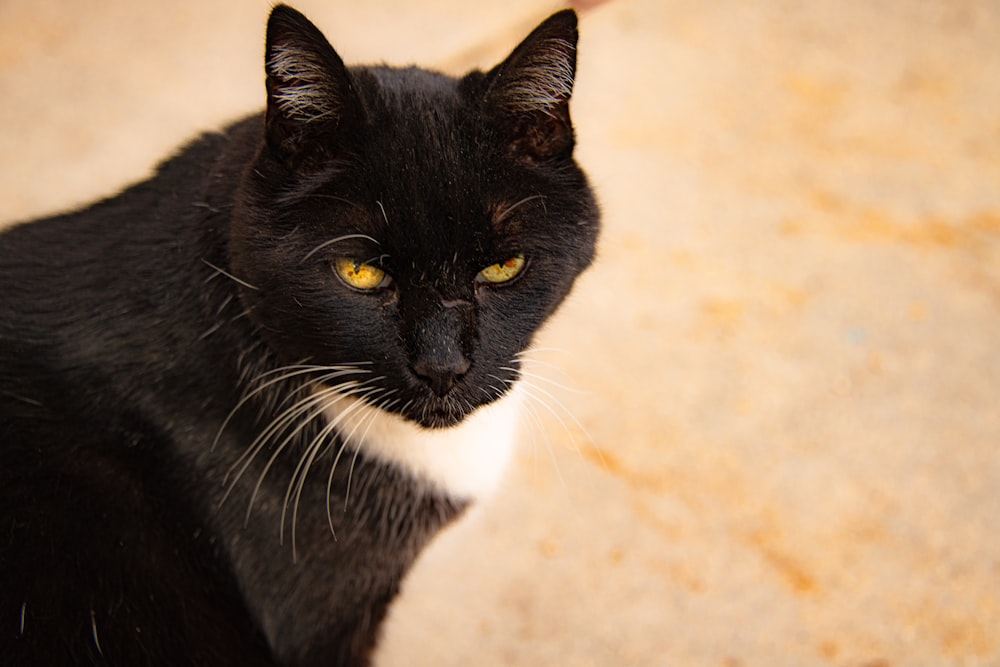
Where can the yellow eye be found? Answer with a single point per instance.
(358, 274)
(501, 273)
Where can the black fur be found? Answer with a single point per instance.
(140, 339)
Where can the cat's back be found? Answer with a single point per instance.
(123, 262)
(99, 312)
(85, 296)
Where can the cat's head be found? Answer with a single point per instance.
(413, 225)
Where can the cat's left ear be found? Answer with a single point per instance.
(311, 102)
(531, 89)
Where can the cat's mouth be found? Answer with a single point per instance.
(354, 414)
(430, 409)
(438, 413)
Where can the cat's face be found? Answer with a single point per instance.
(409, 225)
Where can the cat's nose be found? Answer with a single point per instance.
(441, 374)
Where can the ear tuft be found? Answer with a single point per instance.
(532, 87)
(543, 79)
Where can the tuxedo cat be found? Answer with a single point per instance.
(237, 399)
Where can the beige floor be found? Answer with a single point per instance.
(786, 443)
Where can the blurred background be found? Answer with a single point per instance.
(769, 432)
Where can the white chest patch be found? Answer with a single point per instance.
(465, 461)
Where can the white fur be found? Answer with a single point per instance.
(545, 79)
(465, 461)
(311, 98)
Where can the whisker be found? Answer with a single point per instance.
(384, 216)
(543, 378)
(371, 416)
(243, 313)
(343, 445)
(299, 474)
(315, 447)
(338, 239)
(293, 414)
(290, 416)
(93, 631)
(225, 304)
(284, 373)
(229, 275)
(528, 387)
(532, 350)
(329, 486)
(211, 330)
(531, 380)
(354, 460)
(504, 381)
(315, 403)
(510, 209)
(535, 361)
(372, 412)
(539, 426)
(532, 384)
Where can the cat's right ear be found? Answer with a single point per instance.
(311, 102)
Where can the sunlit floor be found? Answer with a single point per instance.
(783, 442)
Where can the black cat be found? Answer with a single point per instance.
(237, 399)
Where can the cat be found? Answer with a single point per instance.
(238, 399)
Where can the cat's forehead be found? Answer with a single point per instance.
(419, 119)
(431, 182)
(406, 83)
(437, 233)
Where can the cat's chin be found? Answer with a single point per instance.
(436, 420)
(438, 416)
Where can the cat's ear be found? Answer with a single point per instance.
(311, 102)
(531, 89)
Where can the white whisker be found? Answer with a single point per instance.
(338, 239)
(288, 417)
(276, 426)
(300, 473)
(543, 378)
(384, 216)
(510, 209)
(372, 412)
(528, 387)
(283, 373)
(534, 350)
(316, 403)
(229, 275)
(539, 426)
(535, 390)
(93, 631)
(306, 462)
(290, 423)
